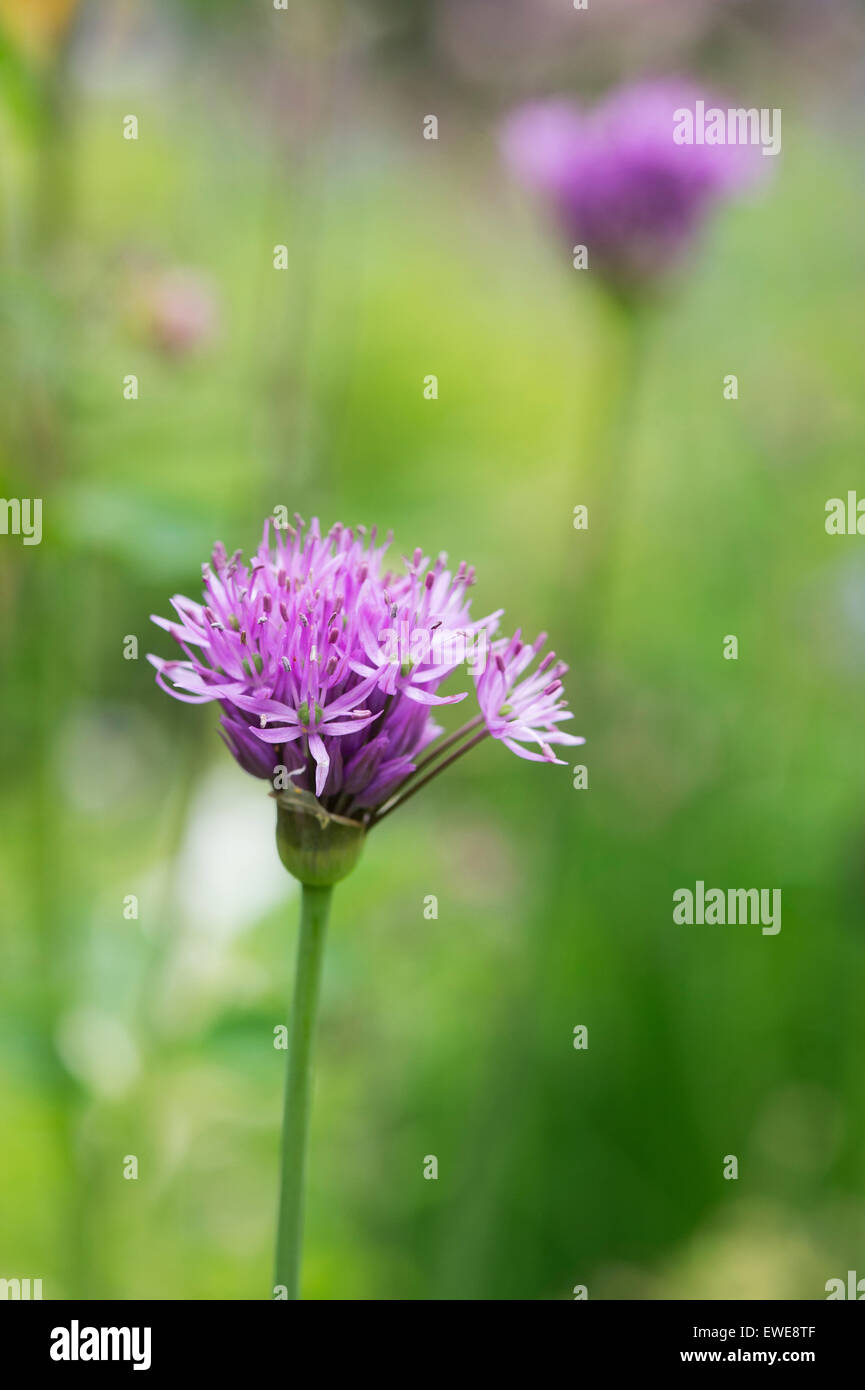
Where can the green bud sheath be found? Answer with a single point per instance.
(318, 848)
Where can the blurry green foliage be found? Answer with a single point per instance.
(153, 1036)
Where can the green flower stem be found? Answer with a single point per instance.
(444, 745)
(401, 797)
(315, 908)
(615, 446)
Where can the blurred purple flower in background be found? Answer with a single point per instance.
(618, 183)
(178, 309)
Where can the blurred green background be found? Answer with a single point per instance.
(304, 387)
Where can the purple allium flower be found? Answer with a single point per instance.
(329, 666)
(327, 669)
(616, 180)
(520, 708)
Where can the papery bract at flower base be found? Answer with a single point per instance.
(318, 848)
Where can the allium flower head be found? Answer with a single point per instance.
(616, 180)
(327, 664)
